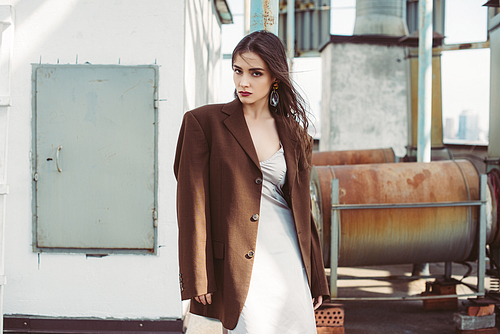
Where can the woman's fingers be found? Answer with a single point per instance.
(317, 302)
(204, 299)
(209, 298)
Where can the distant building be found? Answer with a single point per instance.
(449, 129)
(468, 125)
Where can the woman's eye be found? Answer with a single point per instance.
(257, 74)
(237, 71)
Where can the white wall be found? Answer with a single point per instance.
(364, 100)
(98, 32)
(203, 54)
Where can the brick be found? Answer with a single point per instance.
(440, 303)
(330, 330)
(449, 289)
(330, 315)
(479, 311)
(491, 330)
(467, 322)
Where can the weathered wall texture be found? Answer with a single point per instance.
(104, 32)
(364, 100)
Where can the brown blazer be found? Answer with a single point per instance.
(218, 202)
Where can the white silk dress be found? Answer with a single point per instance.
(279, 299)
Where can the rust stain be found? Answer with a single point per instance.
(267, 15)
(353, 157)
(342, 194)
(418, 178)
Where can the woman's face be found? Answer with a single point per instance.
(252, 78)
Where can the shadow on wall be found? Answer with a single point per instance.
(203, 55)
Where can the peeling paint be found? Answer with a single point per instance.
(264, 16)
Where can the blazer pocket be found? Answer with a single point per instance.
(218, 248)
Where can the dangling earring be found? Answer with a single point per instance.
(275, 98)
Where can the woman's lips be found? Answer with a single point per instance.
(245, 93)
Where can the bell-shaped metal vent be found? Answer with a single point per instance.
(380, 17)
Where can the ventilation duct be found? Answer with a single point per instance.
(380, 17)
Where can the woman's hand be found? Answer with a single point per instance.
(204, 299)
(317, 302)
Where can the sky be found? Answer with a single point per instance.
(465, 74)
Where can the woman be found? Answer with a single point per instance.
(249, 252)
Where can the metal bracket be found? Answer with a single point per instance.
(157, 103)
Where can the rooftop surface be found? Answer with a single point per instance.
(375, 317)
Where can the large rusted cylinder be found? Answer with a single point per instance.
(353, 157)
(402, 235)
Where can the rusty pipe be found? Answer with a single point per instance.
(401, 235)
(354, 157)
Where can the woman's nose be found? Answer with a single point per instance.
(244, 81)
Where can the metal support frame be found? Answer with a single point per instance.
(264, 15)
(335, 243)
(447, 271)
(290, 33)
(424, 81)
(481, 262)
(335, 239)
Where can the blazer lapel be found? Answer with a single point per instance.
(237, 125)
(289, 143)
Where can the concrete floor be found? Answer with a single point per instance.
(375, 317)
(201, 325)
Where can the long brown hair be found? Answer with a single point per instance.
(291, 106)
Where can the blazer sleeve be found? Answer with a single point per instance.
(319, 284)
(191, 169)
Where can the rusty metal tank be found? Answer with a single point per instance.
(402, 235)
(354, 157)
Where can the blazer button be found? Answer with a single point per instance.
(255, 217)
(258, 180)
(250, 254)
